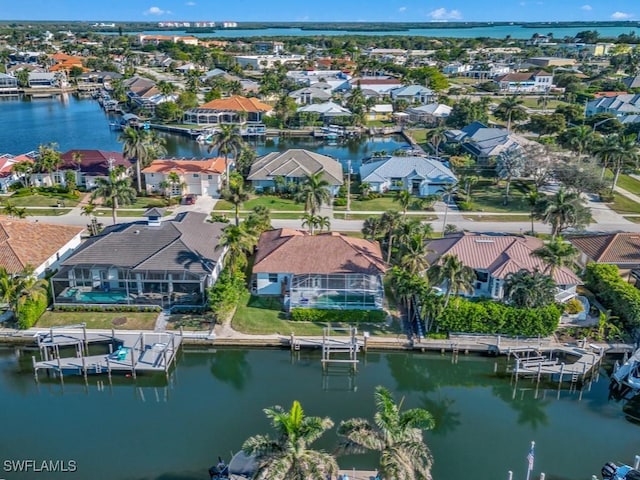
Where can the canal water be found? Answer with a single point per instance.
(75, 123)
(153, 429)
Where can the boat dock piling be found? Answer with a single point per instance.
(332, 345)
(137, 352)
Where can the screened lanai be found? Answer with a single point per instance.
(351, 291)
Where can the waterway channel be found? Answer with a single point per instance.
(153, 429)
(76, 123)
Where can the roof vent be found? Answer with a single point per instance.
(484, 240)
(137, 232)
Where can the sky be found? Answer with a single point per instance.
(321, 11)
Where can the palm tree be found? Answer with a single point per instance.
(289, 455)
(174, 180)
(390, 220)
(533, 199)
(625, 155)
(236, 194)
(239, 241)
(134, 149)
(604, 150)
(436, 137)
(414, 254)
(580, 139)
(24, 170)
(114, 190)
(226, 141)
(469, 181)
(404, 198)
(324, 222)
(556, 254)
(446, 193)
(526, 289)
(457, 276)
(314, 192)
(48, 160)
(397, 435)
(18, 289)
(372, 228)
(309, 221)
(565, 210)
(510, 109)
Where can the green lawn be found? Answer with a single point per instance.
(272, 202)
(38, 200)
(622, 204)
(498, 218)
(533, 103)
(146, 202)
(488, 197)
(48, 212)
(381, 204)
(364, 216)
(134, 320)
(633, 219)
(263, 315)
(630, 184)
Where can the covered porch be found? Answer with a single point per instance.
(205, 116)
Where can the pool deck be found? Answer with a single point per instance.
(143, 352)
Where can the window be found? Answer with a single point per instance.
(273, 278)
(195, 175)
(209, 177)
(482, 276)
(397, 182)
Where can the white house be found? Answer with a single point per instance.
(419, 175)
(196, 176)
(528, 82)
(326, 111)
(263, 62)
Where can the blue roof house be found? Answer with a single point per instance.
(421, 176)
(413, 94)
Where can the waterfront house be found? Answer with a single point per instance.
(196, 176)
(413, 94)
(43, 80)
(318, 93)
(87, 165)
(235, 110)
(380, 112)
(39, 245)
(494, 257)
(619, 249)
(484, 142)
(528, 82)
(8, 84)
(326, 112)
(167, 263)
(326, 271)
(294, 165)
(431, 114)
(421, 176)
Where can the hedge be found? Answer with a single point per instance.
(622, 298)
(31, 311)
(348, 316)
(107, 308)
(489, 317)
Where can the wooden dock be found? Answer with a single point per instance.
(137, 352)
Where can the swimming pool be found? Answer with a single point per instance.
(96, 297)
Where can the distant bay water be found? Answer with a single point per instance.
(491, 31)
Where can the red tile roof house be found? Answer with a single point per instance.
(495, 257)
(197, 176)
(235, 110)
(326, 271)
(93, 164)
(620, 249)
(40, 245)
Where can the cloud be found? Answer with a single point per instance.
(402, 9)
(190, 4)
(155, 11)
(586, 8)
(621, 15)
(444, 14)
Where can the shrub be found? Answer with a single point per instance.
(340, 202)
(30, 312)
(622, 298)
(465, 206)
(573, 306)
(225, 294)
(489, 317)
(347, 316)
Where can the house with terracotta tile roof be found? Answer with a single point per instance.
(170, 263)
(495, 257)
(326, 271)
(235, 109)
(197, 176)
(39, 245)
(620, 249)
(7, 176)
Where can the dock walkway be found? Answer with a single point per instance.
(137, 352)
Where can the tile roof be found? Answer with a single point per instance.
(293, 251)
(23, 242)
(194, 165)
(296, 163)
(237, 103)
(614, 248)
(500, 255)
(93, 162)
(187, 242)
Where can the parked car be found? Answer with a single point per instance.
(189, 199)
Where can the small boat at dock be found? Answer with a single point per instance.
(627, 375)
(611, 471)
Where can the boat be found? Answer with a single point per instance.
(627, 375)
(241, 467)
(611, 471)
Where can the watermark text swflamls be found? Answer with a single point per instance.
(39, 466)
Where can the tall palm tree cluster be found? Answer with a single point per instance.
(395, 434)
(18, 289)
(313, 193)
